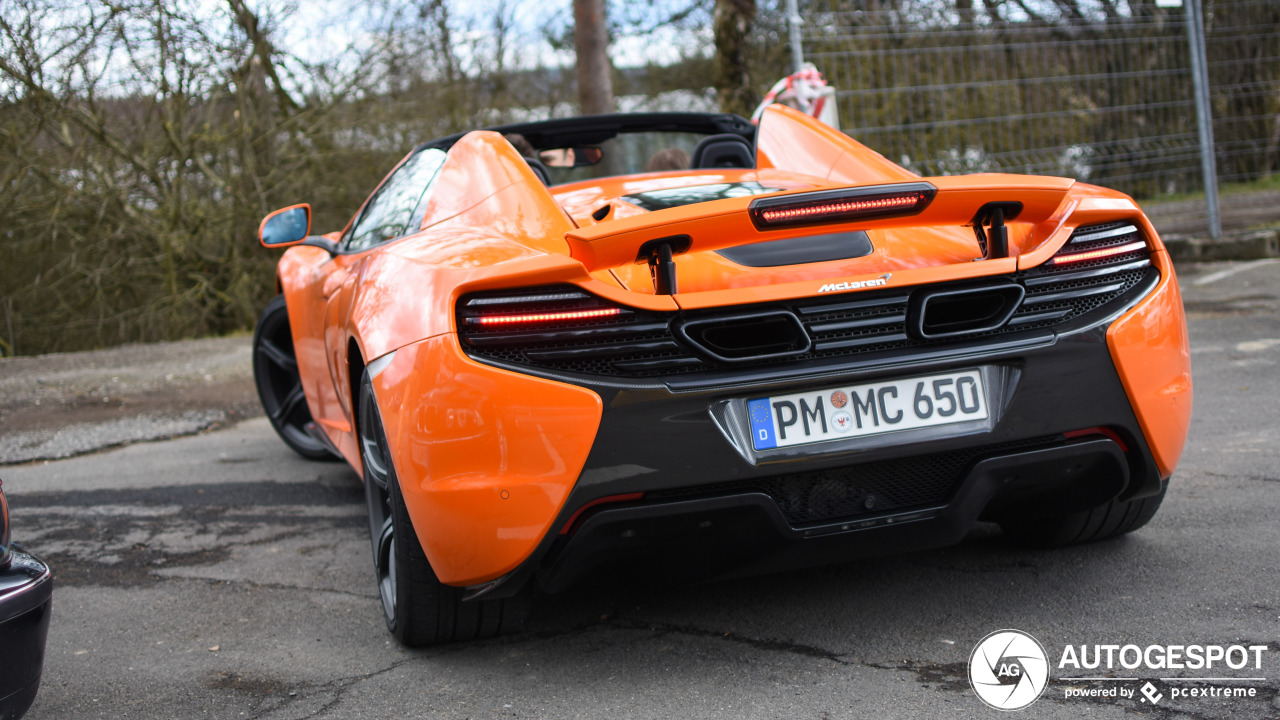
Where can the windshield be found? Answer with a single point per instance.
(625, 154)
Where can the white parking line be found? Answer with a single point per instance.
(1228, 272)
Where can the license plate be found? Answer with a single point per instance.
(871, 409)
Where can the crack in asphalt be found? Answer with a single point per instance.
(788, 646)
(947, 676)
(1255, 478)
(133, 568)
(611, 621)
(273, 691)
(136, 565)
(271, 586)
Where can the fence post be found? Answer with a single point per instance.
(1204, 113)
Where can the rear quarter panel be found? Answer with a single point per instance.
(486, 458)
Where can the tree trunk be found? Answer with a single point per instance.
(591, 41)
(732, 27)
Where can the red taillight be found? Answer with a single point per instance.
(598, 501)
(1108, 433)
(840, 208)
(1097, 254)
(841, 205)
(529, 318)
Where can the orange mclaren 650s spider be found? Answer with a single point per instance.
(687, 341)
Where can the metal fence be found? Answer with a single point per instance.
(1099, 90)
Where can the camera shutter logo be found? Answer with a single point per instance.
(1008, 669)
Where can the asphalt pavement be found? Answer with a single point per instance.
(218, 575)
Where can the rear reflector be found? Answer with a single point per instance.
(529, 318)
(833, 206)
(598, 501)
(1104, 431)
(1096, 254)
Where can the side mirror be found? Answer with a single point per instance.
(288, 226)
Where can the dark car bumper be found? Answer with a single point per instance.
(745, 532)
(26, 601)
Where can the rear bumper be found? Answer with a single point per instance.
(26, 598)
(745, 532)
(1067, 438)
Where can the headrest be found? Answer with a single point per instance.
(726, 150)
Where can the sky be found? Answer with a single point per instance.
(324, 25)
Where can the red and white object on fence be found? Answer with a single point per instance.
(805, 91)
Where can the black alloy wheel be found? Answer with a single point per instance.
(418, 609)
(378, 477)
(275, 372)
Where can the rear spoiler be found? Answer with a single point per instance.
(984, 201)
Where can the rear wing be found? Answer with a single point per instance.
(985, 202)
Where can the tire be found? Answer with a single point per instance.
(419, 610)
(275, 372)
(1113, 519)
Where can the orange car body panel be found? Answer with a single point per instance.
(485, 457)
(790, 140)
(484, 480)
(303, 274)
(1152, 353)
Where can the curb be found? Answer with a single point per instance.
(1249, 245)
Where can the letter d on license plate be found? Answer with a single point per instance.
(871, 409)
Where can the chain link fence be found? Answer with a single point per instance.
(1097, 90)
